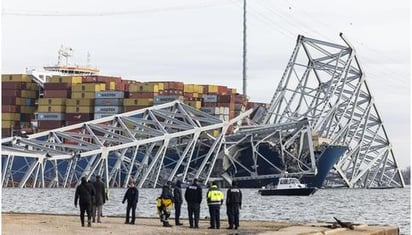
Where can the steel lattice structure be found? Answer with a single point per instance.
(324, 83)
(151, 145)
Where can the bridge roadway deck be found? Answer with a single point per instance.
(24, 224)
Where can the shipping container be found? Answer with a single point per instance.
(5, 132)
(88, 87)
(27, 109)
(52, 101)
(50, 124)
(15, 85)
(210, 110)
(102, 115)
(79, 109)
(8, 100)
(109, 102)
(65, 79)
(15, 78)
(79, 117)
(10, 116)
(83, 95)
(8, 124)
(160, 99)
(143, 87)
(138, 102)
(141, 95)
(57, 93)
(133, 108)
(108, 109)
(52, 108)
(51, 116)
(80, 102)
(109, 95)
(210, 98)
(194, 104)
(57, 86)
(10, 109)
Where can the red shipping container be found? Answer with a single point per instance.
(133, 108)
(11, 93)
(10, 109)
(222, 90)
(57, 94)
(8, 100)
(5, 132)
(13, 85)
(57, 86)
(50, 124)
(80, 117)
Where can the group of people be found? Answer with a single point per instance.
(193, 196)
(92, 196)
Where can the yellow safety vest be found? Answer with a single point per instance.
(214, 196)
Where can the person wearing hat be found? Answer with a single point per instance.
(233, 204)
(83, 196)
(132, 197)
(193, 196)
(215, 199)
(178, 198)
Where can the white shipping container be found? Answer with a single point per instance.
(208, 110)
(110, 94)
(51, 116)
(102, 115)
(210, 98)
(108, 109)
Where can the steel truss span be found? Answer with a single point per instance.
(152, 145)
(324, 83)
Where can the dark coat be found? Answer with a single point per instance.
(84, 193)
(193, 194)
(177, 193)
(234, 197)
(100, 197)
(131, 195)
(166, 192)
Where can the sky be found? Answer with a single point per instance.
(200, 41)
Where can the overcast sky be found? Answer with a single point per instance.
(200, 41)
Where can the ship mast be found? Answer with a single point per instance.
(244, 50)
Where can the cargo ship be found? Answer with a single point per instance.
(64, 95)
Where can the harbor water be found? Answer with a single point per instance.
(366, 206)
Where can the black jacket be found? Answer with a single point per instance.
(167, 192)
(100, 197)
(177, 193)
(234, 197)
(131, 195)
(84, 193)
(193, 194)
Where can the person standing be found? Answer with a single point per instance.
(165, 204)
(233, 205)
(178, 198)
(215, 199)
(99, 199)
(132, 197)
(193, 196)
(83, 196)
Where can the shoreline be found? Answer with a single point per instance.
(65, 224)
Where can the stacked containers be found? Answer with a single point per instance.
(171, 91)
(19, 93)
(52, 107)
(108, 103)
(140, 95)
(192, 94)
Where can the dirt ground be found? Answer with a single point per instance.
(25, 224)
(51, 224)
